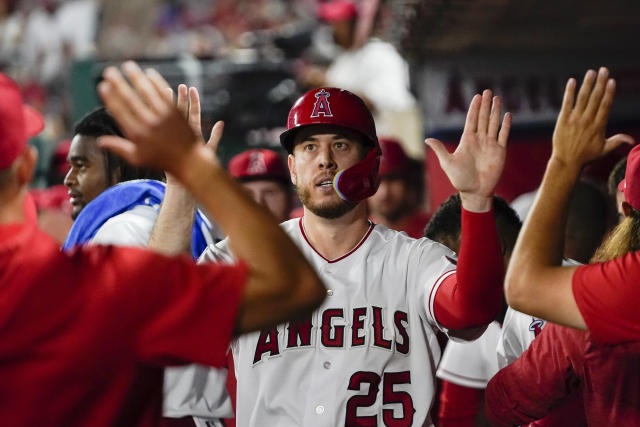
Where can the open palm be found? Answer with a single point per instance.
(476, 165)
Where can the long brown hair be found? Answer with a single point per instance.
(624, 238)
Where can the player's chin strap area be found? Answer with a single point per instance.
(360, 180)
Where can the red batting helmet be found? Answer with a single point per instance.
(339, 107)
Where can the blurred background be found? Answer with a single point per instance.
(417, 64)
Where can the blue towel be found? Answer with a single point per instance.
(123, 197)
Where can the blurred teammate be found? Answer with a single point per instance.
(466, 368)
(368, 355)
(396, 203)
(600, 297)
(94, 169)
(125, 214)
(101, 322)
(265, 176)
(568, 378)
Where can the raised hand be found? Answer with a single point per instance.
(579, 136)
(476, 165)
(158, 134)
(188, 103)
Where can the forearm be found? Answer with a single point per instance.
(171, 232)
(279, 272)
(541, 240)
(473, 296)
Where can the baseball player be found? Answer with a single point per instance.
(264, 175)
(467, 367)
(368, 355)
(100, 323)
(599, 297)
(94, 169)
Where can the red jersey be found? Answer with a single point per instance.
(607, 295)
(84, 336)
(561, 361)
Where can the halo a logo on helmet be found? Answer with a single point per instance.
(321, 106)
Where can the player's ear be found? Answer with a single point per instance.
(26, 165)
(626, 209)
(291, 162)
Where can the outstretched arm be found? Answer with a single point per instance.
(281, 284)
(171, 232)
(536, 283)
(473, 296)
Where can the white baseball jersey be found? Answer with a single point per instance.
(519, 330)
(471, 364)
(130, 228)
(367, 355)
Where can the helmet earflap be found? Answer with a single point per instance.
(361, 180)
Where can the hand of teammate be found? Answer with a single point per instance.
(579, 134)
(158, 135)
(188, 103)
(476, 165)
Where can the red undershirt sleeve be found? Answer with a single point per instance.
(459, 405)
(473, 295)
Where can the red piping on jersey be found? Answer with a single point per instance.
(331, 261)
(434, 290)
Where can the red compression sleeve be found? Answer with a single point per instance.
(473, 296)
(459, 405)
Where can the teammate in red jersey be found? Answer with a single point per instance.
(600, 297)
(84, 336)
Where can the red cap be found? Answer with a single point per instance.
(337, 10)
(630, 185)
(394, 160)
(258, 163)
(17, 122)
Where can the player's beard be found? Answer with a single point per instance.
(324, 210)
